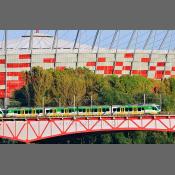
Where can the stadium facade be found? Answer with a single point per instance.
(154, 64)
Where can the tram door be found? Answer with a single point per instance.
(33, 112)
(122, 110)
(22, 112)
(54, 112)
(66, 112)
(135, 111)
(100, 111)
(87, 111)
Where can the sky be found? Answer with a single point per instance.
(105, 37)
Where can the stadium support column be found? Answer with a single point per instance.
(147, 41)
(113, 39)
(166, 57)
(116, 52)
(74, 46)
(30, 47)
(55, 40)
(151, 52)
(6, 100)
(130, 41)
(93, 45)
(135, 47)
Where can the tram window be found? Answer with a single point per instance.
(127, 109)
(142, 109)
(18, 112)
(153, 108)
(51, 110)
(62, 110)
(130, 109)
(84, 110)
(37, 111)
(95, 110)
(114, 109)
(26, 111)
(80, 110)
(139, 109)
(107, 109)
(104, 110)
(118, 109)
(70, 110)
(30, 111)
(47, 111)
(15, 112)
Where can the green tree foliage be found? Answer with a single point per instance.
(59, 88)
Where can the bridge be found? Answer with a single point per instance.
(29, 130)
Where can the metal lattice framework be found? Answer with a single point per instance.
(90, 39)
(31, 130)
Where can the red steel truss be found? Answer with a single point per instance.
(31, 130)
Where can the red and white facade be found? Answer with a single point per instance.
(33, 130)
(155, 65)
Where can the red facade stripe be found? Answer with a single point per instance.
(100, 67)
(159, 76)
(110, 68)
(152, 68)
(119, 64)
(173, 68)
(135, 71)
(14, 73)
(117, 72)
(60, 67)
(145, 60)
(159, 72)
(17, 65)
(102, 59)
(2, 61)
(167, 72)
(91, 64)
(160, 63)
(128, 55)
(24, 56)
(126, 67)
(108, 71)
(49, 60)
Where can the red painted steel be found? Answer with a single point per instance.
(31, 130)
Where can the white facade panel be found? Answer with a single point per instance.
(105, 63)
(2, 86)
(19, 69)
(12, 77)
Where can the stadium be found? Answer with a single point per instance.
(149, 53)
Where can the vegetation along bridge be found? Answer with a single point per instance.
(30, 130)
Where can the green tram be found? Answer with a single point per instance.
(81, 111)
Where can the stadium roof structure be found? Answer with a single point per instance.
(89, 40)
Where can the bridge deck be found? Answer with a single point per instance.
(30, 130)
